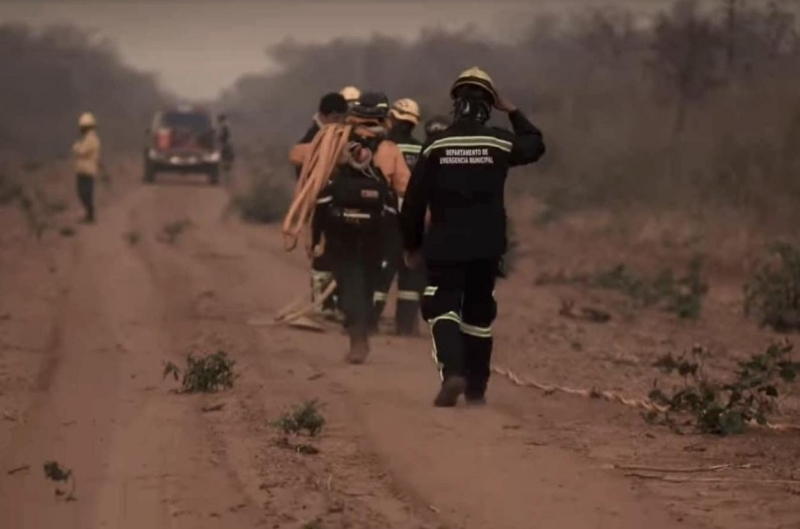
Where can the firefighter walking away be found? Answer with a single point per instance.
(348, 184)
(404, 116)
(460, 177)
(332, 108)
(86, 151)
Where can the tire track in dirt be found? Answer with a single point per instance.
(474, 467)
(134, 450)
(211, 296)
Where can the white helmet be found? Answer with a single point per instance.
(350, 93)
(87, 120)
(406, 110)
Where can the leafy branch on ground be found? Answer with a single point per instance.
(772, 293)
(682, 296)
(209, 374)
(723, 407)
(171, 231)
(305, 418)
(61, 476)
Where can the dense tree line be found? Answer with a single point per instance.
(51, 76)
(695, 105)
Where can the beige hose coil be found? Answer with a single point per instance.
(328, 149)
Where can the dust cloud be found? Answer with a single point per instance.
(681, 105)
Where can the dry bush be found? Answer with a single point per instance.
(268, 187)
(51, 76)
(694, 108)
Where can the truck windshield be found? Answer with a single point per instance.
(196, 122)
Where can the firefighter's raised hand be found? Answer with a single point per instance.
(412, 259)
(504, 105)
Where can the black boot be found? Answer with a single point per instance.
(452, 388)
(359, 346)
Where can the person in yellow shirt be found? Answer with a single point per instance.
(86, 152)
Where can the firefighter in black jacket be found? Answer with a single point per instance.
(460, 177)
(332, 109)
(404, 116)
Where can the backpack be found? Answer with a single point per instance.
(355, 198)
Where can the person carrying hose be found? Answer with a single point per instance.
(404, 116)
(86, 152)
(351, 180)
(460, 177)
(332, 109)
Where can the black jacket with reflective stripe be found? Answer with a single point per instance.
(460, 177)
(409, 146)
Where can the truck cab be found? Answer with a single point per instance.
(182, 140)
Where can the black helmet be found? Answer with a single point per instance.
(371, 105)
(436, 124)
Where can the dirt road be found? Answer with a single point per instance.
(90, 320)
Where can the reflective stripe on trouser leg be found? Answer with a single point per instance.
(446, 323)
(378, 304)
(407, 295)
(479, 312)
(407, 312)
(440, 310)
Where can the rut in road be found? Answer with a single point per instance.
(147, 458)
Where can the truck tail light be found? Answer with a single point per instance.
(163, 139)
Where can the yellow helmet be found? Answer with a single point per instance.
(475, 77)
(406, 110)
(87, 120)
(350, 93)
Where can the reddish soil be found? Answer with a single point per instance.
(87, 322)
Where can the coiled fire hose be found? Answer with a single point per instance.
(327, 151)
(330, 147)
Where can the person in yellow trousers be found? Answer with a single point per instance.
(86, 151)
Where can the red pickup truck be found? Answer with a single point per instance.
(182, 140)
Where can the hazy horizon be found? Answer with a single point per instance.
(199, 48)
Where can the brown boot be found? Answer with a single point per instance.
(452, 388)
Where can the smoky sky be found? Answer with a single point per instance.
(199, 47)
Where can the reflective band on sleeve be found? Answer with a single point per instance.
(408, 295)
(430, 291)
(477, 332)
(410, 148)
(470, 141)
(324, 200)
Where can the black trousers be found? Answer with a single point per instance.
(85, 188)
(355, 257)
(410, 283)
(459, 305)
